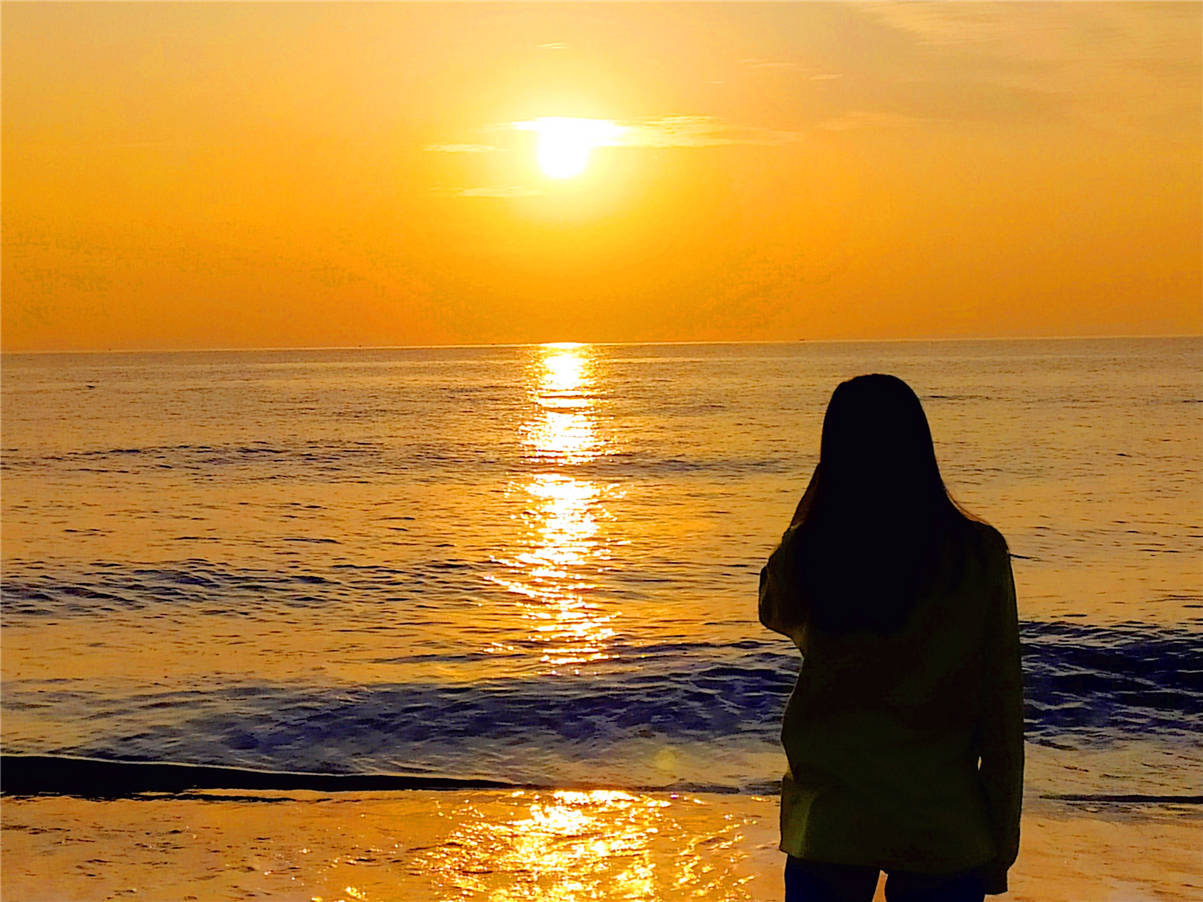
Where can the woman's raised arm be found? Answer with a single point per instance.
(780, 607)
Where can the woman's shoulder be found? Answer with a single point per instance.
(982, 535)
(991, 539)
(973, 549)
(986, 546)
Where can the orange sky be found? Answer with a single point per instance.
(246, 175)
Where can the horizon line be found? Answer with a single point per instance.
(535, 344)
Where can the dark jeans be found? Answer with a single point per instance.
(814, 881)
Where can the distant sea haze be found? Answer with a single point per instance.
(539, 564)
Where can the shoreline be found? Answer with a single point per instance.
(87, 778)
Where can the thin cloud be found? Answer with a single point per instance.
(459, 148)
(1111, 66)
(552, 45)
(759, 63)
(492, 191)
(784, 65)
(863, 119)
(655, 132)
(699, 131)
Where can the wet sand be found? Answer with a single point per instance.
(503, 845)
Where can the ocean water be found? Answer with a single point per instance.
(540, 563)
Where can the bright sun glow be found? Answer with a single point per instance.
(564, 143)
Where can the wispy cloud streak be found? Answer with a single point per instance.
(459, 148)
(490, 191)
(700, 131)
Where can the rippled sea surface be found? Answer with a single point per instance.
(540, 563)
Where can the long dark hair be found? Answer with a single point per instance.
(876, 516)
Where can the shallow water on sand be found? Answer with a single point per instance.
(539, 563)
(506, 846)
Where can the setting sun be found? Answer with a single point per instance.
(564, 143)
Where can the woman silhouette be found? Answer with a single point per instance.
(904, 733)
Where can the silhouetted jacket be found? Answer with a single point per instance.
(883, 734)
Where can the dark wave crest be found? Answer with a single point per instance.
(100, 778)
(1086, 687)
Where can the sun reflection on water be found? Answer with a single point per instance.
(570, 846)
(551, 575)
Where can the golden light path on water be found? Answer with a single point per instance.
(551, 575)
(569, 845)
